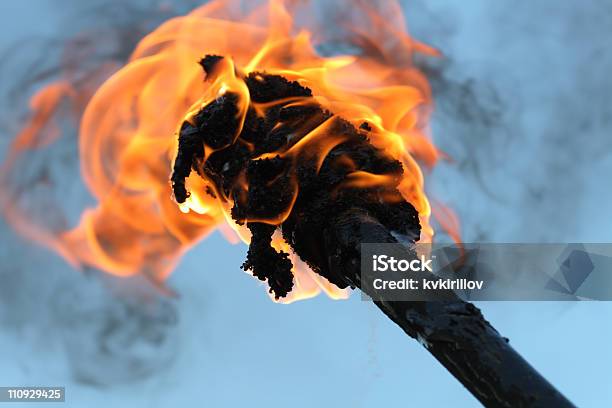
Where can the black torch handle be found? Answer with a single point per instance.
(453, 331)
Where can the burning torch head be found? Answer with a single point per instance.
(272, 155)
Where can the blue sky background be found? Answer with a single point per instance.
(523, 107)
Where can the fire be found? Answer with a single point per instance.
(127, 137)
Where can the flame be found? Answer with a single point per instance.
(127, 135)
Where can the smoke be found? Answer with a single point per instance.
(522, 110)
(110, 330)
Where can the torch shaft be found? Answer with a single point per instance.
(453, 331)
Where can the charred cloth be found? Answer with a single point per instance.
(287, 166)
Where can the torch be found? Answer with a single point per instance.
(267, 151)
(303, 176)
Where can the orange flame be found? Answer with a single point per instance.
(127, 134)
